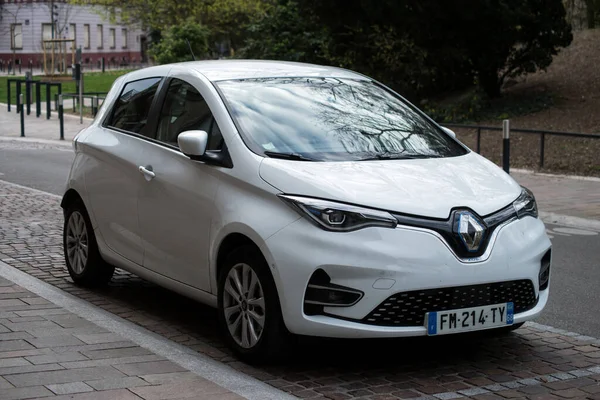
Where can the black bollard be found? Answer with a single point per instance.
(506, 145)
(61, 117)
(22, 116)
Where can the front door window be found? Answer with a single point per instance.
(185, 109)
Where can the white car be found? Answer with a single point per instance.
(300, 199)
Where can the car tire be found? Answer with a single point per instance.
(84, 263)
(240, 314)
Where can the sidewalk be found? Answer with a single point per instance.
(39, 128)
(564, 195)
(46, 351)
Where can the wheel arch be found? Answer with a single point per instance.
(71, 196)
(233, 240)
(228, 244)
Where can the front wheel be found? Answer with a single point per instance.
(84, 263)
(249, 310)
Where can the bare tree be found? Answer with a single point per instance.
(60, 14)
(11, 13)
(64, 11)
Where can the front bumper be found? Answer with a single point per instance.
(381, 262)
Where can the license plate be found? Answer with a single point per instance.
(469, 319)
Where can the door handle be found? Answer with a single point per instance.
(147, 172)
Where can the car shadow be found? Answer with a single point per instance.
(195, 325)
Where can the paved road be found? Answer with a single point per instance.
(575, 299)
(40, 166)
(575, 296)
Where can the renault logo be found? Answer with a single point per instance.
(470, 230)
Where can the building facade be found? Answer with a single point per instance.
(24, 24)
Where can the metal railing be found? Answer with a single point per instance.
(541, 132)
(29, 94)
(96, 100)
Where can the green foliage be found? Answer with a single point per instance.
(474, 105)
(592, 13)
(465, 107)
(230, 19)
(418, 46)
(173, 46)
(282, 34)
(227, 20)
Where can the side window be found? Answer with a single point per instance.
(185, 109)
(130, 112)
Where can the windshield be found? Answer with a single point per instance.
(331, 119)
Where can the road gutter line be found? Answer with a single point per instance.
(34, 140)
(215, 371)
(40, 192)
(574, 222)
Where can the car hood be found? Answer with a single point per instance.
(425, 187)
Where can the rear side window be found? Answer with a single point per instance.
(130, 112)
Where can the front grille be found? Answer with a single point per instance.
(409, 308)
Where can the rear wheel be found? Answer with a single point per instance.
(84, 263)
(249, 310)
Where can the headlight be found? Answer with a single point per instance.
(525, 204)
(339, 217)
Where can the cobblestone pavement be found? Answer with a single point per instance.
(535, 362)
(46, 351)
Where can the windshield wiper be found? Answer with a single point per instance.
(399, 156)
(288, 156)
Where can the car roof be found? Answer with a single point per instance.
(219, 70)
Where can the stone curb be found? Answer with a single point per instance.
(574, 177)
(67, 115)
(575, 222)
(57, 142)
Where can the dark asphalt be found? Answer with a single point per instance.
(575, 282)
(40, 166)
(574, 302)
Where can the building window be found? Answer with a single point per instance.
(16, 36)
(124, 35)
(73, 35)
(86, 36)
(112, 39)
(100, 36)
(47, 35)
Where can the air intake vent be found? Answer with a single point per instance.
(320, 292)
(545, 270)
(409, 308)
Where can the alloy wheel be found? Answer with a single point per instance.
(77, 242)
(244, 305)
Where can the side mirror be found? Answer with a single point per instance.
(450, 132)
(193, 143)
